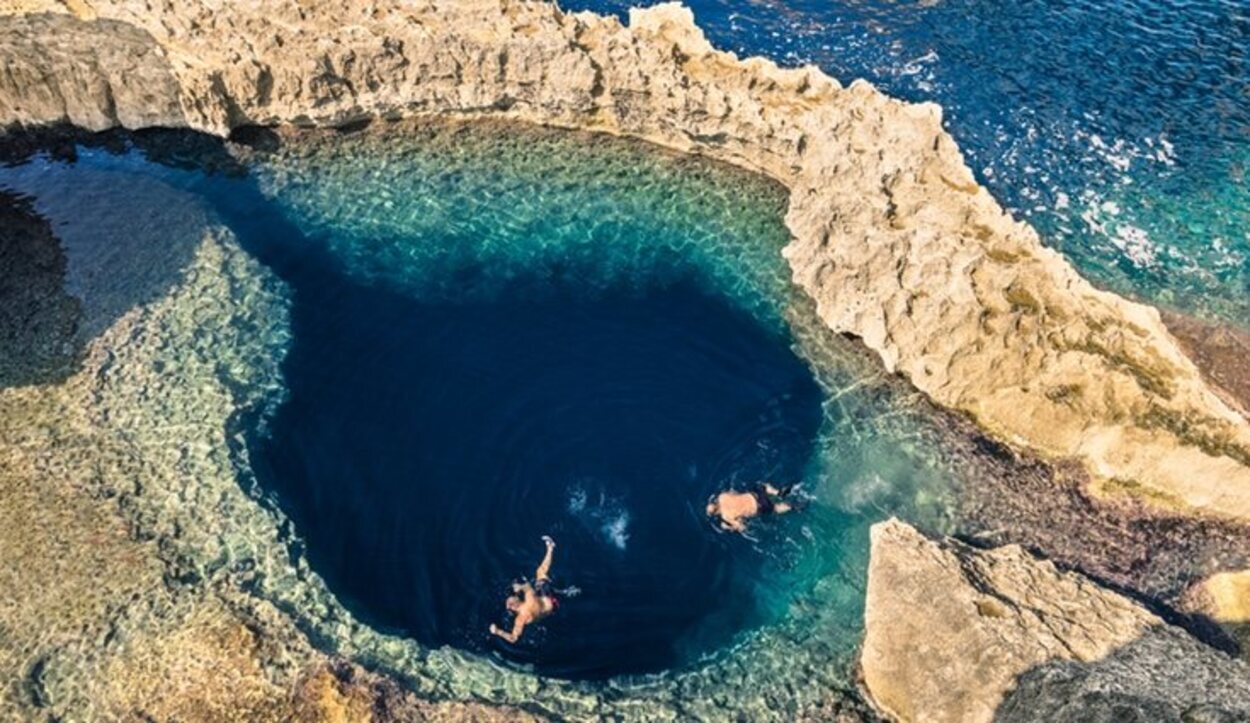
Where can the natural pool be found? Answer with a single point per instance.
(499, 332)
(426, 445)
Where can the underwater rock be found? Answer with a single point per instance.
(132, 559)
(38, 317)
(893, 237)
(960, 634)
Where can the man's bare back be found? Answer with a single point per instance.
(733, 509)
(530, 603)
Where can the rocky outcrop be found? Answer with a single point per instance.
(893, 237)
(959, 634)
(1220, 351)
(1224, 599)
(1163, 677)
(94, 75)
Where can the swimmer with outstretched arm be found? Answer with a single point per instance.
(531, 603)
(732, 509)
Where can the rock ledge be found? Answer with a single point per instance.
(959, 634)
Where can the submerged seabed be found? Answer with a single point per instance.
(181, 326)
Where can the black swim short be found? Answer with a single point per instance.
(543, 589)
(763, 500)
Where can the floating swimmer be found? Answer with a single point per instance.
(531, 603)
(732, 509)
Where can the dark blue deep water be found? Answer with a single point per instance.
(499, 335)
(427, 446)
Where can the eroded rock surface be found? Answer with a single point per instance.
(959, 634)
(892, 235)
(1163, 677)
(94, 75)
(1221, 352)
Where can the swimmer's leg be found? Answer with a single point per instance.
(786, 491)
(518, 627)
(780, 508)
(544, 567)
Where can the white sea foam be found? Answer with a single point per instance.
(577, 500)
(1136, 244)
(605, 513)
(617, 530)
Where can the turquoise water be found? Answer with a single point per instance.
(426, 229)
(469, 212)
(1121, 130)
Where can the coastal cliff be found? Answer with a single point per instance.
(892, 236)
(893, 239)
(959, 634)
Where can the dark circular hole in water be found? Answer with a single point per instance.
(426, 446)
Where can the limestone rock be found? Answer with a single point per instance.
(893, 237)
(952, 632)
(95, 75)
(1221, 352)
(1165, 676)
(1229, 593)
(1224, 599)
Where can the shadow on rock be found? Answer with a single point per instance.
(38, 319)
(1163, 676)
(110, 239)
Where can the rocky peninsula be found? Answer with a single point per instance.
(893, 240)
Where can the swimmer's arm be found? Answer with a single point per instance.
(736, 525)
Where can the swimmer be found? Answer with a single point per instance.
(531, 603)
(732, 509)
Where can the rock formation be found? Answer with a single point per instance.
(893, 237)
(959, 634)
(1224, 599)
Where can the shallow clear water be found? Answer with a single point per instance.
(1121, 130)
(598, 334)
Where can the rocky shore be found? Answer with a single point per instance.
(893, 237)
(893, 240)
(960, 634)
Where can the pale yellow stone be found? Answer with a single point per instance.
(1229, 594)
(892, 236)
(949, 629)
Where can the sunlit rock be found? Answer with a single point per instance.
(960, 634)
